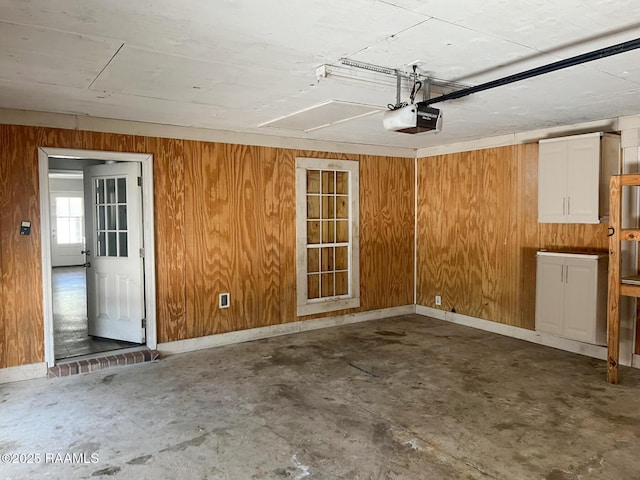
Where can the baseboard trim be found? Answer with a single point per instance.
(39, 370)
(23, 372)
(548, 340)
(210, 341)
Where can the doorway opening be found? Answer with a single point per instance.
(97, 252)
(70, 323)
(69, 272)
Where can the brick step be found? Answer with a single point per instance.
(103, 361)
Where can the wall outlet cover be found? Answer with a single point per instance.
(224, 300)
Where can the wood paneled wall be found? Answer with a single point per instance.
(224, 222)
(478, 233)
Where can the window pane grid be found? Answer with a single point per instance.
(328, 242)
(111, 217)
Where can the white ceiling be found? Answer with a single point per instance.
(238, 64)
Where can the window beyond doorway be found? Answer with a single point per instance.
(69, 220)
(327, 196)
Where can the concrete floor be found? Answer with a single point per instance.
(400, 398)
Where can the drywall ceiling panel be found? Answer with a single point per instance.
(323, 115)
(542, 25)
(625, 66)
(539, 101)
(234, 65)
(233, 31)
(450, 52)
(155, 75)
(36, 55)
(53, 98)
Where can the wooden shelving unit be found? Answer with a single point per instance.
(630, 286)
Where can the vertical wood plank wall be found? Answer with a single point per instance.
(224, 222)
(478, 232)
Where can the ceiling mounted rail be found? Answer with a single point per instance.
(385, 76)
(534, 72)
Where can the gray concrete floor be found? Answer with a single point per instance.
(400, 398)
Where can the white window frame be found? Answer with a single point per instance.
(305, 305)
(69, 196)
(55, 195)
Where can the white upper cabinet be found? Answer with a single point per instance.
(573, 177)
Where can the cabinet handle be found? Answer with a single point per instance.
(564, 205)
(561, 273)
(566, 274)
(569, 206)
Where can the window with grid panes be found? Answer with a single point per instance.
(111, 217)
(327, 198)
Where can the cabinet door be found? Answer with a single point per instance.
(549, 294)
(552, 182)
(583, 180)
(580, 291)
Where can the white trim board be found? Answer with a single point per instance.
(146, 160)
(306, 306)
(240, 336)
(629, 122)
(541, 338)
(39, 370)
(23, 372)
(127, 127)
(532, 136)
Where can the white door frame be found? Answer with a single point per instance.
(146, 160)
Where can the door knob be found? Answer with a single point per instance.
(87, 265)
(86, 252)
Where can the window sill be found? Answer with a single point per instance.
(328, 306)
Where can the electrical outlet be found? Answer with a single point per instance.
(438, 300)
(224, 300)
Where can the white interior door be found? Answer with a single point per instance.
(67, 228)
(115, 278)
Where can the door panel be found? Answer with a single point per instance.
(115, 279)
(580, 300)
(583, 165)
(549, 294)
(552, 177)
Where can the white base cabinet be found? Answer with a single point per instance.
(571, 296)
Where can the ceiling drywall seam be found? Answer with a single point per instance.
(125, 127)
(389, 37)
(105, 66)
